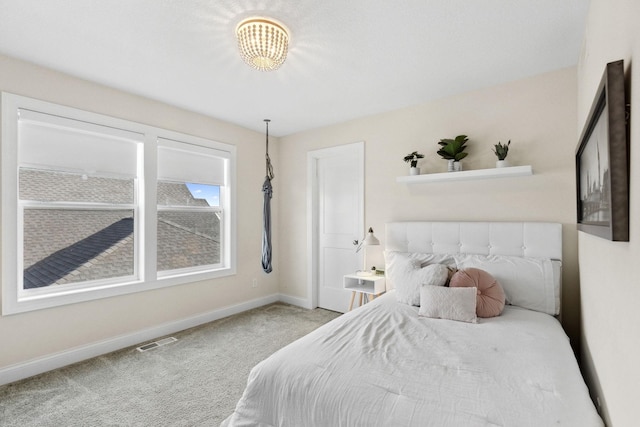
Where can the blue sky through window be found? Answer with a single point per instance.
(211, 193)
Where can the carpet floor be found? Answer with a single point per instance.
(195, 381)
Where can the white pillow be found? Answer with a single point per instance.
(527, 282)
(408, 276)
(448, 303)
(422, 259)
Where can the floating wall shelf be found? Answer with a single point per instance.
(508, 172)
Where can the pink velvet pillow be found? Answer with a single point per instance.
(490, 298)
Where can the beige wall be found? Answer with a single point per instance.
(45, 332)
(537, 114)
(608, 270)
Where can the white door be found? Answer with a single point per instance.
(337, 220)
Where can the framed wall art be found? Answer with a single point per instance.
(602, 161)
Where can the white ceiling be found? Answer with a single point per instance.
(347, 58)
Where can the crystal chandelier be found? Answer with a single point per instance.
(263, 43)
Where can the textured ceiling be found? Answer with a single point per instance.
(347, 58)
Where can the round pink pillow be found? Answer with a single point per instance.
(490, 298)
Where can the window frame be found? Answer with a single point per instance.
(174, 144)
(145, 207)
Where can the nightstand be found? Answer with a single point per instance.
(371, 286)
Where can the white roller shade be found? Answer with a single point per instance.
(52, 142)
(181, 162)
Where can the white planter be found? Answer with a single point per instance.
(453, 166)
(450, 166)
(502, 164)
(414, 171)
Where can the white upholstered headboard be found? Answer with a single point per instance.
(495, 240)
(523, 239)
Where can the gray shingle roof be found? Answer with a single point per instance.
(176, 194)
(49, 186)
(47, 231)
(69, 246)
(67, 260)
(180, 247)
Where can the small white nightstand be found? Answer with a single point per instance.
(371, 286)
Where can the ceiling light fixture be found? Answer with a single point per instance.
(263, 43)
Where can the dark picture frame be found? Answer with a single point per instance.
(602, 161)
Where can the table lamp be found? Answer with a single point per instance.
(369, 240)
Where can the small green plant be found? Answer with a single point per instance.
(453, 149)
(501, 150)
(413, 158)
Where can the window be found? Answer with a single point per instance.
(94, 206)
(76, 202)
(190, 220)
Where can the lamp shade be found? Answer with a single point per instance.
(370, 239)
(263, 42)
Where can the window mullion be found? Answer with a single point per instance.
(148, 171)
(75, 205)
(190, 208)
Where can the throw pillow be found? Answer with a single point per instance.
(408, 276)
(448, 303)
(490, 295)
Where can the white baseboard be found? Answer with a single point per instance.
(57, 360)
(300, 302)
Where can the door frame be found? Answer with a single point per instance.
(312, 208)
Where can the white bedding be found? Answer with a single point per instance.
(382, 365)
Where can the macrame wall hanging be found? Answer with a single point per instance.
(267, 191)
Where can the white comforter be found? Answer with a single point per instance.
(382, 365)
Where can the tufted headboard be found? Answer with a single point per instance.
(523, 239)
(533, 282)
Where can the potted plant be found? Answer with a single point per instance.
(501, 150)
(412, 159)
(453, 151)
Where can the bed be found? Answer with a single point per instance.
(389, 364)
